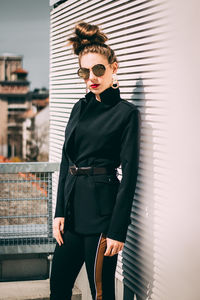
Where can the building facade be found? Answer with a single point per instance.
(14, 101)
(18, 108)
(41, 129)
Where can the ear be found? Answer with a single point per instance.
(115, 67)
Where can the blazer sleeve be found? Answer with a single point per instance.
(64, 166)
(59, 212)
(129, 156)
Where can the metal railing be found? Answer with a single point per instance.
(26, 207)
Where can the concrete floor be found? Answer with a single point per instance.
(29, 290)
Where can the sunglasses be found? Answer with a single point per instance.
(98, 70)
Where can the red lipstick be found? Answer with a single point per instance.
(94, 86)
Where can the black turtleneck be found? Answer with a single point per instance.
(93, 111)
(109, 97)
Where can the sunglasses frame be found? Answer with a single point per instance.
(87, 71)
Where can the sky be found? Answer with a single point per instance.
(24, 30)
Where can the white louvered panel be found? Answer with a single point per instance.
(155, 24)
(58, 106)
(124, 82)
(73, 8)
(137, 45)
(61, 119)
(57, 47)
(64, 67)
(62, 103)
(60, 115)
(59, 111)
(57, 134)
(57, 128)
(95, 5)
(138, 35)
(127, 37)
(149, 53)
(89, 13)
(63, 89)
(56, 152)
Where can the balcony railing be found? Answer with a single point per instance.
(26, 207)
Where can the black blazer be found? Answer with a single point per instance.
(112, 140)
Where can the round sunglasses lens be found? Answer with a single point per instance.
(99, 70)
(83, 73)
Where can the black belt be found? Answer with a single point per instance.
(91, 170)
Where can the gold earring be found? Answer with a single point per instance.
(115, 82)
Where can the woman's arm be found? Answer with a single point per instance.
(64, 166)
(129, 155)
(59, 217)
(59, 220)
(59, 212)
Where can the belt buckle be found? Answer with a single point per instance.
(73, 170)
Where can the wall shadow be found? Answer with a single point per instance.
(137, 256)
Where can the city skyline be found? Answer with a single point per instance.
(24, 31)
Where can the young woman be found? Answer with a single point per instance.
(93, 206)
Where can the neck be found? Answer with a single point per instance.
(98, 98)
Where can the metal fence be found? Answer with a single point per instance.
(26, 207)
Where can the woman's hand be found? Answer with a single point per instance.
(113, 247)
(58, 228)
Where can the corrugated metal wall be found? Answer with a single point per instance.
(137, 31)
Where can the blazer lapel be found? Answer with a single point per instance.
(73, 123)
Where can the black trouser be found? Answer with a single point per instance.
(68, 260)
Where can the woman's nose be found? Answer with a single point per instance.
(92, 76)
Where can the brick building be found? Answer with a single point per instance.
(14, 101)
(18, 108)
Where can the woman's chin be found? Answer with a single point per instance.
(98, 91)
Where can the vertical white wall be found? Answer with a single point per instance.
(136, 31)
(152, 76)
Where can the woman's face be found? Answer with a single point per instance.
(94, 83)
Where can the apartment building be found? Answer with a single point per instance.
(18, 108)
(14, 101)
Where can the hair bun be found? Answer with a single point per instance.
(86, 34)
